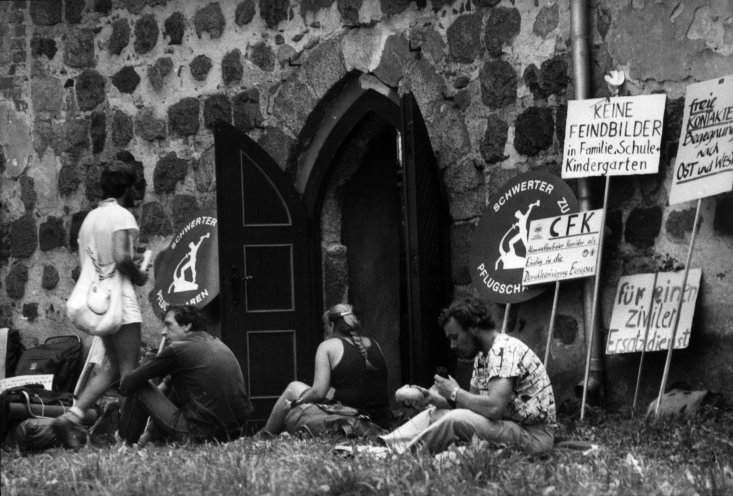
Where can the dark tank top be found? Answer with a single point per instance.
(357, 387)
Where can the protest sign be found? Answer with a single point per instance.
(704, 164)
(45, 380)
(499, 244)
(614, 137)
(640, 302)
(189, 270)
(563, 247)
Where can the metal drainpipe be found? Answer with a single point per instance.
(581, 82)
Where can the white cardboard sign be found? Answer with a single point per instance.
(615, 137)
(633, 309)
(23, 380)
(562, 247)
(704, 164)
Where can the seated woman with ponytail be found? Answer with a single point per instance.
(347, 362)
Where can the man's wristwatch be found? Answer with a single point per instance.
(453, 396)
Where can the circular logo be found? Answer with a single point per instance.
(498, 246)
(189, 271)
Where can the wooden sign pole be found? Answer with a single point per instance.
(679, 309)
(552, 323)
(595, 298)
(643, 350)
(504, 324)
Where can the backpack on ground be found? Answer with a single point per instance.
(58, 355)
(315, 419)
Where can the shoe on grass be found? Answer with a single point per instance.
(69, 431)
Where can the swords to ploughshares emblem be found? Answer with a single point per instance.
(499, 245)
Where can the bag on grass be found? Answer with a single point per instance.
(33, 434)
(315, 419)
(58, 355)
(28, 402)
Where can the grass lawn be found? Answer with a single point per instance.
(633, 457)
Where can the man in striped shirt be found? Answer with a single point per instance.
(510, 400)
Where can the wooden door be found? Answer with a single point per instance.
(263, 265)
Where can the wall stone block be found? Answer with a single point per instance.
(463, 176)
(449, 135)
(175, 27)
(68, 180)
(426, 84)
(126, 79)
(643, 226)
(324, 67)
(217, 107)
(15, 280)
(460, 239)
(98, 131)
(146, 34)
(52, 234)
(30, 311)
(464, 38)
(28, 193)
(245, 12)
(723, 221)
(79, 48)
(546, 20)
(533, 130)
(462, 100)
(169, 171)
(43, 46)
(121, 128)
(498, 83)
(154, 222)
(262, 56)
(246, 110)
(47, 95)
(102, 6)
(395, 55)
(278, 144)
(75, 273)
(209, 19)
(200, 67)
(494, 140)
(44, 136)
(680, 222)
(394, 7)
(50, 277)
(120, 36)
(45, 12)
(158, 71)
(73, 11)
(274, 11)
(603, 21)
(182, 207)
(502, 24)
(231, 67)
(336, 273)
(566, 329)
(285, 54)
(148, 126)
(4, 243)
(77, 134)
(552, 78)
(76, 220)
(183, 117)
(90, 90)
(204, 170)
(23, 236)
(673, 113)
(349, 10)
(92, 190)
(293, 102)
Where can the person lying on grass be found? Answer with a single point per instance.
(347, 362)
(510, 400)
(206, 395)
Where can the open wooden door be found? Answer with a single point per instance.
(264, 268)
(426, 224)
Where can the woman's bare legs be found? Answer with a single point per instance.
(276, 421)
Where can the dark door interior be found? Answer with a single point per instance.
(264, 269)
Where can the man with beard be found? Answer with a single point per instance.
(510, 400)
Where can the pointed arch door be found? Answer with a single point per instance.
(263, 258)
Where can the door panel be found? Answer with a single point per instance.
(263, 260)
(427, 234)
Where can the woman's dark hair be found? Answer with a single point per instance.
(345, 322)
(469, 312)
(189, 314)
(117, 177)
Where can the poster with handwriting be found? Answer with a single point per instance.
(639, 302)
(616, 137)
(44, 380)
(704, 164)
(562, 247)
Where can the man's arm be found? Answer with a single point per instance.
(492, 405)
(158, 366)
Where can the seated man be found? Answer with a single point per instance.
(510, 400)
(207, 401)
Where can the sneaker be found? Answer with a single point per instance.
(69, 431)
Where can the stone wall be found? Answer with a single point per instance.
(84, 81)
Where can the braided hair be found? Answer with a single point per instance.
(345, 323)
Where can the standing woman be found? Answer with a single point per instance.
(347, 362)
